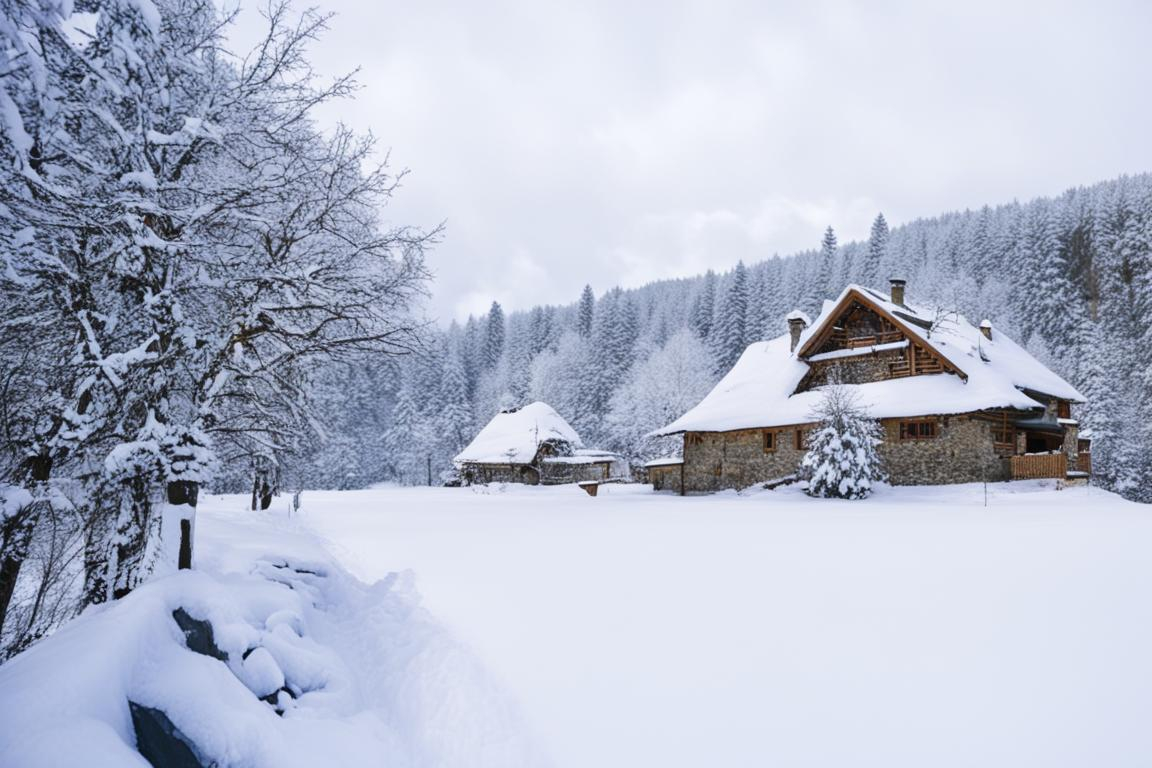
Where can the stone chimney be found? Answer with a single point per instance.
(986, 329)
(797, 322)
(898, 290)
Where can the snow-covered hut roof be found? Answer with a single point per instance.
(514, 437)
(584, 456)
(667, 461)
(760, 390)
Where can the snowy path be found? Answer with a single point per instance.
(916, 628)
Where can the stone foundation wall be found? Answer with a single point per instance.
(961, 452)
(477, 474)
(714, 461)
(560, 473)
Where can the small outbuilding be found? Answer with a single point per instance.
(533, 445)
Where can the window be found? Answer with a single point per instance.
(801, 439)
(769, 441)
(1063, 409)
(694, 438)
(917, 430)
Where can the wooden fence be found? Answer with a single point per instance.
(1039, 465)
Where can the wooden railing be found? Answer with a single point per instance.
(1039, 465)
(1084, 463)
(885, 337)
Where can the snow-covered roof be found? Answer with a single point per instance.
(513, 437)
(670, 461)
(760, 390)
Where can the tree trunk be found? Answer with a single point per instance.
(96, 553)
(15, 541)
(132, 537)
(255, 489)
(16, 536)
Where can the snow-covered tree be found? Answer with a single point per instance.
(585, 312)
(494, 331)
(842, 460)
(704, 306)
(730, 336)
(671, 380)
(876, 253)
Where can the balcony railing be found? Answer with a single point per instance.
(1039, 465)
(1084, 463)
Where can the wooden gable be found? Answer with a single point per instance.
(858, 322)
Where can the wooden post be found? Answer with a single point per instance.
(184, 493)
(184, 561)
(429, 470)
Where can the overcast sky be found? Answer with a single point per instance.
(615, 143)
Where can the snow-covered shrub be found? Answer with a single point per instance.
(842, 461)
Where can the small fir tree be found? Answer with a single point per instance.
(842, 461)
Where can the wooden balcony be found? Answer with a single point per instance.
(1084, 463)
(1039, 465)
(888, 337)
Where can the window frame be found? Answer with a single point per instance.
(914, 430)
(769, 440)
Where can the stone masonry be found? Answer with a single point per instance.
(961, 452)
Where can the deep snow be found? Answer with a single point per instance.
(913, 628)
(374, 679)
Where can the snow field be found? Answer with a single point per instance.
(913, 628)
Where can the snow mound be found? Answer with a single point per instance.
(307, 667)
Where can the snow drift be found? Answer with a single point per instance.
(303, 666)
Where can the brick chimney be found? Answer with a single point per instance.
(986, 329)
(797, 322)
(898, 290)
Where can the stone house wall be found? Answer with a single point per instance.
(476, 474)
(558, 473)
(549, 473)
(665, 478)
(714, 461)
(858, 369)
(961, 452)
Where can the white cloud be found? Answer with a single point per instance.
(611, 143)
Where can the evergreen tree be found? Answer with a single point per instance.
(875, 254)
(730, 336)
(842, 460)
(824, 282)
(455, 409)
(585, 312)
(704, 306)
(494, 331)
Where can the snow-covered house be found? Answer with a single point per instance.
(532, 445)
(957, 403)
